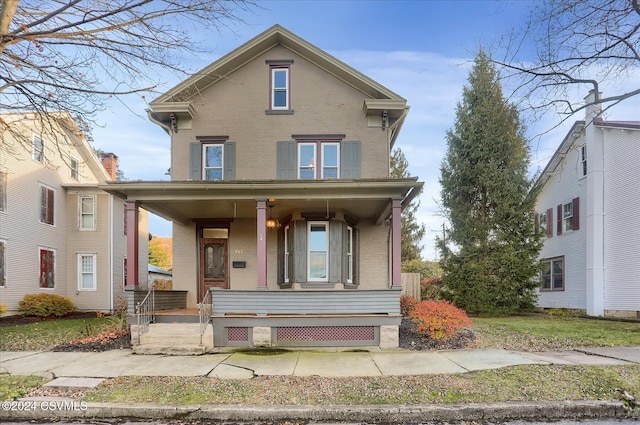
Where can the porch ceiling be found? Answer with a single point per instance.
(192, 200)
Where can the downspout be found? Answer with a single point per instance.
(111, 253)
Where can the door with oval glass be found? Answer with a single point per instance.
(213, 265)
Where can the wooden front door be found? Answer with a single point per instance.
(213, 265)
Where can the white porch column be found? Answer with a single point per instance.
(396, 243)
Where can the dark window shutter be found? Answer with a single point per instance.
(280, 256)
(195, 161)
(559, 219)
(286, 160)
(355, 253)
(229, 160)
(550, 223)
(576, 213)
(350, 160)
(291, 245)
(300, 251)
(335, 251)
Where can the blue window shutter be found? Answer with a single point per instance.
(350, 160)
(230, 161)
(195, 161)
(286, 160)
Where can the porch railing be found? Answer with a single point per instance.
(145, 313)
(204, 313)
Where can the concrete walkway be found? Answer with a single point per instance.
(115, 363)
(87, 370)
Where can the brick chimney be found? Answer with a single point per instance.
(110, 163)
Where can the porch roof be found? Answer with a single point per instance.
(186, 201)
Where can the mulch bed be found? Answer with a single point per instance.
(18, 319)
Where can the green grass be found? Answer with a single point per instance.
(520, 383)
(44, 335)
(13, 387)
(538, 332)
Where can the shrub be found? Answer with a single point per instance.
(3, 309)
(45, 305)
(439, 320)
(407, 303)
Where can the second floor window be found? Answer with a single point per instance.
(46, 205)
(567, 216)
(583, 159)
(87, 213)
(38, 149)
(212, 161)
(318, 160)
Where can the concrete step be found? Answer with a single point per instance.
(172, 350)
(151, 339)
(174, 329)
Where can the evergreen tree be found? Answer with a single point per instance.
(490, 255)
(412, 231)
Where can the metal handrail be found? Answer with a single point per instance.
(145, 311)
(204, 313)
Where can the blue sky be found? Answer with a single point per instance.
(419, 49)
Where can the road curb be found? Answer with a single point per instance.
(370, 414)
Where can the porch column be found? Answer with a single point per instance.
(261, 233)
(396, 243)
(132, 216)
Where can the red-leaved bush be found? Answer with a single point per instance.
(439, 320)
(407, 303)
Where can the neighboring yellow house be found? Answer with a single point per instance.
(59, 233)
(282, 205)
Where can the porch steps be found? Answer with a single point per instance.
(179, 339)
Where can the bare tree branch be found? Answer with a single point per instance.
(74, 55)
(578, 42)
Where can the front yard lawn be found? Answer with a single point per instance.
(46, 334)
(538, 332)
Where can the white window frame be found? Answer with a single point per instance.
(543, 221)
(74, 171)
(45, 204)
(349, 254)
(567, 219)
(583, 160)
(55, 261)
(3, 261)
(313, 164)
(325, 224)
(37, 155)
(82, 213)
(93, 272)
(205, 146)
(274, 89)
(324, 166)
(286, 253)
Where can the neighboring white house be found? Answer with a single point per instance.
(588, 206)
(59, 233)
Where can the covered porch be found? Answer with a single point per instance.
(288, 263)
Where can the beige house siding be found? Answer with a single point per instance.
(235, 107)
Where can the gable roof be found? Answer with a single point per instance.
(177, 101)
(575, 132)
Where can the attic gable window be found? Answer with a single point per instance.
(280, 86)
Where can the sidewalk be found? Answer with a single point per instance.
(109, 364)
(87, 370)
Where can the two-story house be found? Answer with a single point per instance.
(587, 204)
(59, 233)
(282, 205)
